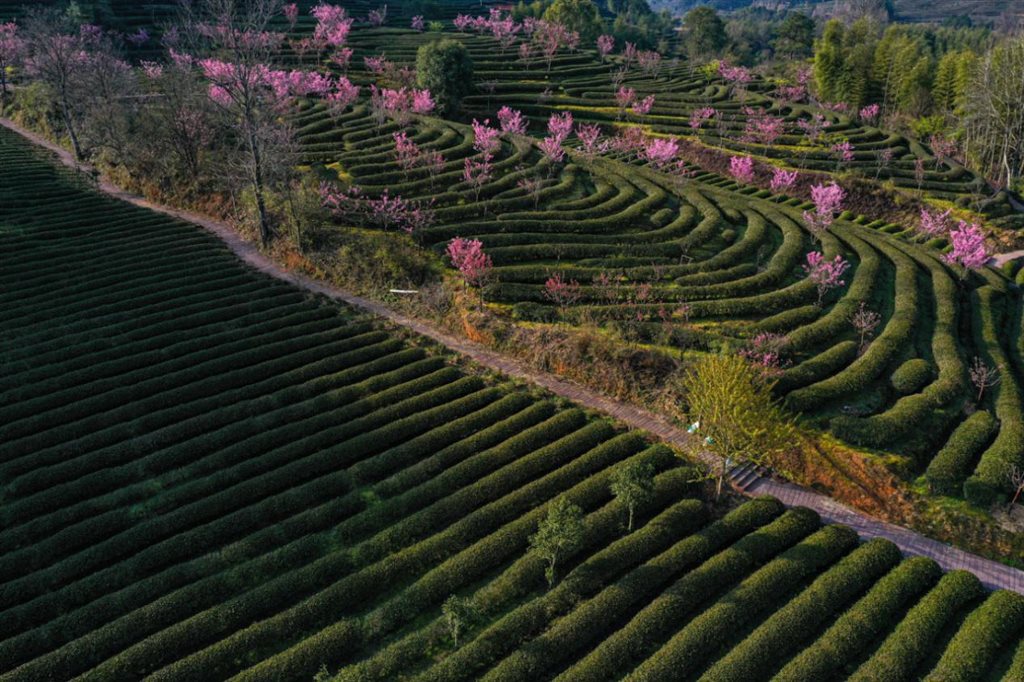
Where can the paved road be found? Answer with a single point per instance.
(991, 573)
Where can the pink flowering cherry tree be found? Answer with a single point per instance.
(968, 248)
(661, 151)
(476, 173)
(561, 291)
(828, 203)
(589, 135)
(934, 223)
(12, 50)
(782, 180)
(468, 257)
(605, 45)
(511, 121)
(742, 169)
(643, 107)
(699, 116)
(826, 275)
(624, 98)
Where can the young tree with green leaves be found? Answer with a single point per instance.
(581, 16)
(705, 33)
(795, 37)
(736, 417)
(633, 486)
(445, 68)
(459, 615)
(558, 535)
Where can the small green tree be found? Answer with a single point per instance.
(705, 33)
(581, 16)
(795, 37)
(633, 486)
(736, 417)
(458, 614)
(558, 535)
(445, 68)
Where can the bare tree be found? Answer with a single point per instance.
(864, 321)
(237, 36)
(983, 376)
(1015, 475)
(994, 113)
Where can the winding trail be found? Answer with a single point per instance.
(993, 574)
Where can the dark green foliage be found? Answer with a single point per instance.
(445, 68)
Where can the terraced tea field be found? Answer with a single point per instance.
(699, 262)
(209, 474)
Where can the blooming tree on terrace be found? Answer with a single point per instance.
(660, 151)
(332, 28)
(512, 121)
(934, 223)
(562, 292)
(828, 202)
(843, 151)
(417, 23)
(969, 251)
(782, 180)
(468, 257)
(477, 173)
(864, 321)
(649, 62)
(560, 125)
(825, 274)
(814, 127)
(762, 127)
(624, 98)
(699, 116)
(589, 135)
(870, 113)
(377, 17)
(629, 53)
(605, 45)
(12, 49)
(485, 138)
(550, 37)
(344, 95)
(742, 169)
(551, 147)
(291, 14)
(765, 352)
(643, 107)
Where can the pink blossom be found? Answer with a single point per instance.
(782, 180)
(588, 134)
(737, 75)
(139, 38)
(629, 53)
(525, 51)
(422, 102)
(560, 291)
(791, 93)
(342, 57)
(560, 125)
(220, 95)
(377, 17)
(152, 70)
(934, 224)
(661, 151)
(485, 138)
(605, 45)
(468, 257)
(813, 127)
(828, 200)
(332, 26)
(625, 97)
(407, 152)
(629, 141)
(742, 168)
(644, 106)
(463, 22)
(512, 121)
(698, 116)
(844, 151)
(649, 62)
(825, 274)
(762, 127)
(476, 173)
(869, 114)
(291, 14)
(344, 95)
(417, 23)
(969, 250)
(376, 65)
(765, 351)
(552, 148)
